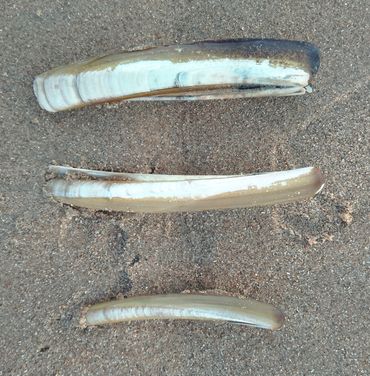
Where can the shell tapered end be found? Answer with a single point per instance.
(313, 57)
(39, 91)
(83, 322)
(319, 181)
(279, 320)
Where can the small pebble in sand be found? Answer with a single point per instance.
(346, 214)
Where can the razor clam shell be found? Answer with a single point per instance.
(164, 193)
(186, 307)
(201, 70)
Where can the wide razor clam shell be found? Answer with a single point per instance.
(185, 306)
(154, 78)
(169, 71)
(188, 195)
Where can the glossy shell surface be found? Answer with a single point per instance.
(184, 306)
(166, 193)
(201, 70)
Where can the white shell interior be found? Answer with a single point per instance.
(182, 188)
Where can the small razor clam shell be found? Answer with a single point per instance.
(184, 306)
(183, 194)
(224, 69)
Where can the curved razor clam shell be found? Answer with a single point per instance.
(184, 306)
(201, 70)
(163, 193)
